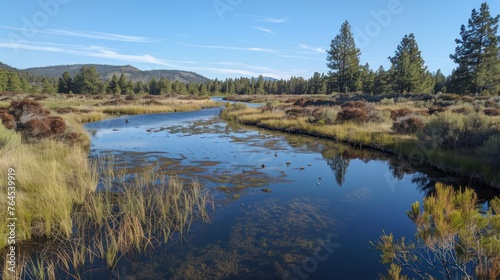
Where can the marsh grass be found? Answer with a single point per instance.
(57, 201)
(166, 105)
(50, 177)
(130, 214)
(465, 135)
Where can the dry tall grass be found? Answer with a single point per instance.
(50, 178)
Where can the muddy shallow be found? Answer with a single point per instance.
(287, 206)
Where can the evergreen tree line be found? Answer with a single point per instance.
(477, 55)
(87, 80)
(17, 81)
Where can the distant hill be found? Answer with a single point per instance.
(7, 67)
(131, 72)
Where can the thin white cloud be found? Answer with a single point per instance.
(90, 51)
(215, 47)
(265, 30)
(311, 48)
(264, 18)
(89, 35)
(102, 36)
(273, 20)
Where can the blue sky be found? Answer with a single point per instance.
(225, 38)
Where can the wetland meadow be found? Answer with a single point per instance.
(191, 195)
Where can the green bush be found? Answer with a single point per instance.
(387, 101)
(450, 130)
(273, 104)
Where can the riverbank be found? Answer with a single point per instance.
(458, 135)
(44, 151)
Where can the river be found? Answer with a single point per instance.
(287, 206)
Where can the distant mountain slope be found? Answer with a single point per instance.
(131, 72)
(7, 67)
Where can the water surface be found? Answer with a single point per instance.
(323, 201)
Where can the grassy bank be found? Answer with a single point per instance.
(50, 178)
(90, 108)
(458, 135)
(55, 189)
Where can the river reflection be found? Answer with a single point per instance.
(287, 206)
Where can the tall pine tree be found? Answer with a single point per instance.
(408, 70)
(343, 60)
(477, 55)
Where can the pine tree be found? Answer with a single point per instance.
(3, 79)
(122, 82)
(87, 80)
(381, 83)
(343, 60)
(477, 55)
(13, 82)
(65, 83)
(367, 79)
(407, 71)
(47, 86)
(439, 82)
(113, 85)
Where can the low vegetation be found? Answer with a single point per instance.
(448, 137)
(57, 201)
(454, 239)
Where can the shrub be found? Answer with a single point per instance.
(467, 99)
(131, 97)
(455, 239)
(301, 102)
(361, 111)
(354, 114)
(8, 120)
(408, 125)
(324, 115)
(492, 112)
(33, 121)
(491, 103)
(451, 130)
(27, 107)
(330, 114)
(399, 113)
(273, 104)
(437, 110)
(465, 110)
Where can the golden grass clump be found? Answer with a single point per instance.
(50, 178)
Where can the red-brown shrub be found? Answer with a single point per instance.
(399, 113)
(27, 106)
(493, 112)
(57, 124)
(490, 103)
(436, 110)
(35, 122)
(463, 110)
(408, 125)
(467, 99)
(353, 114)
(34, 129)
(8, 120)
